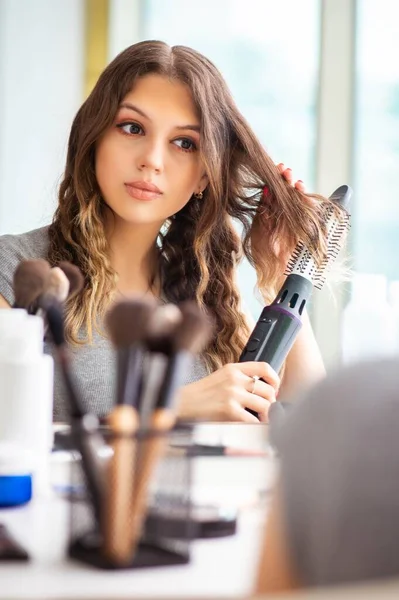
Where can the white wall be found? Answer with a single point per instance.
(334, 150)
(41, 87)
(124, 25)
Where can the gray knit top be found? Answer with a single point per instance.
(94, 364)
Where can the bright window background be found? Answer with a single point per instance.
(269, 54)
(376, 155)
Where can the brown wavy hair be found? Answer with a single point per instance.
(199, 246)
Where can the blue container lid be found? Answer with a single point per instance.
(15, 490)
(15, 474)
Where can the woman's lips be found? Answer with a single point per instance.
(143, 191)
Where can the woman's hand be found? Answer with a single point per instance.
(224, 395)
(286, 172)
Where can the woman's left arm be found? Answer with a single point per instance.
(304, 364)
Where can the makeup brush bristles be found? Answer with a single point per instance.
(29, 281)
(162, 327)
(75, 277)
(195, 330)
(56, 288)
(127, 321)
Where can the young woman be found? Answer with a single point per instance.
(160, 162)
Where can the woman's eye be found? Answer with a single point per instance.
(130, 128)
(186, 144)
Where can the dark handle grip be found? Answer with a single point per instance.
(272, 339)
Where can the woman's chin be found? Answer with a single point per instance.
(136, 216)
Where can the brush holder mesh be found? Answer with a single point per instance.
(115, 533)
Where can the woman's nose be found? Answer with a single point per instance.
(151, 156)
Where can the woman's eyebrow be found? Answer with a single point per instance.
(130, 106)
(138, 110)
(191, 127)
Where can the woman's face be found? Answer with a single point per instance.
(148, 163)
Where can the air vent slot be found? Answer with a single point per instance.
(294, 300)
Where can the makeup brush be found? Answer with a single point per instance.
(84, 425)
(127, 322)
(55, 322)
(186, 336)
(29, 281)
(56, 288)
(75, 277)
(159, 343)
(123, 423)
(191, 338)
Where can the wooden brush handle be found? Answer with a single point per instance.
(123, 421)
(152, 449)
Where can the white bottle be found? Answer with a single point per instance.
(10, 319)
(368, 330)
(26, 391)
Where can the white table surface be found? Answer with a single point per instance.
(218, 567)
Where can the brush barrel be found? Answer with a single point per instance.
(278, 325)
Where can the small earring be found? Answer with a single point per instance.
(198, 195)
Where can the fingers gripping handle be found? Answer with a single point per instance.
(278, 325)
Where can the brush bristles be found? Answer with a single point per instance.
(75, 277)
(302, 261)
(29, 281)
(127, 321)
(195, 330)
(56, 287)
(162, 327)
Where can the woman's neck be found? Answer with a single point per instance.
(133, 255)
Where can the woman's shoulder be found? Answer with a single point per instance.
(31, 244)
(14, 248)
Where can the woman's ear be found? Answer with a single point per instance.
(203, 182)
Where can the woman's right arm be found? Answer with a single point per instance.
(3, 302)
